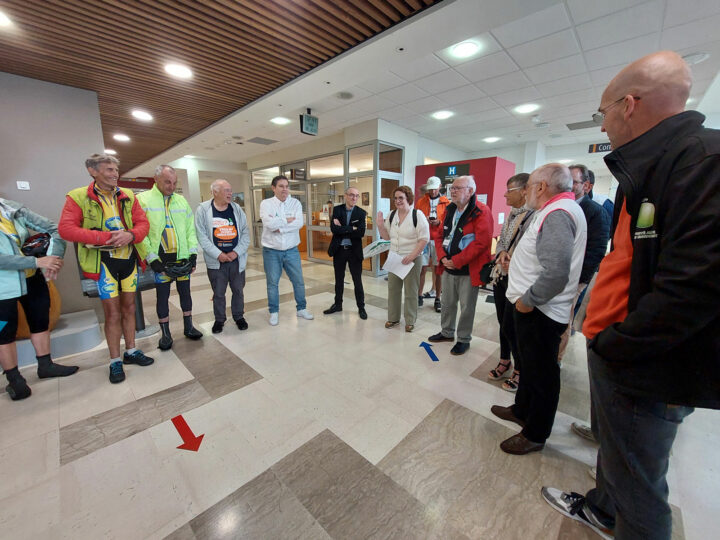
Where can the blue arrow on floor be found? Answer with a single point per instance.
(428, 349)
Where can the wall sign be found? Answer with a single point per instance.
(599, 147)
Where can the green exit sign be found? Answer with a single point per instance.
(308, 124)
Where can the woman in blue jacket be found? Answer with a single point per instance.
(21, 281)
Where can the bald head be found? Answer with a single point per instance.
(643, 94)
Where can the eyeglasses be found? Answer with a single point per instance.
(599, 117)
(513, 189)
(353, 195)
(457, 188)
(399, 198)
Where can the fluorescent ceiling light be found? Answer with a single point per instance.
(442, 115)
(5, 20)
(565, 161)
(526, 108)
(280, 120)
(178, 71)
(189, 156)
(465, 49)
(121, 137)
(142, 115)
(491, 139)
(695, 58)
(110, 152)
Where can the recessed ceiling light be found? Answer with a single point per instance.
(121, 137)
(565, 161)
(5, 20)
(280, 120)
(690, 101)
(178, 70)
(465, 49)
(695, 58)
(189, 156)
(491, 139)
(526, 108)
(110, 152)
(142, 115)
(442, 115)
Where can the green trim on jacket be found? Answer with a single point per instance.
(152, 202)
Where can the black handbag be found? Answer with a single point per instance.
(486, 272)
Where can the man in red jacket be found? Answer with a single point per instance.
(108, 225)
(462, 249)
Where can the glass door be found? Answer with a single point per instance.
(324, 195)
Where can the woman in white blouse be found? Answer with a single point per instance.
(408, 240)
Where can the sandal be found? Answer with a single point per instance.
(390, 324)
(409, 327)
(511, 385)
(501, 371)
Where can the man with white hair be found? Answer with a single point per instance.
(224, 236)
(653, 320)
(542, 283)
(171, 247)
(463, 247)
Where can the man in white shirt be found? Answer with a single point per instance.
(282, 219)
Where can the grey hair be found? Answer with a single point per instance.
(159, 169)
(470, 180)
(349, 188)
(96, 159)
(558, 177)
(215, 186)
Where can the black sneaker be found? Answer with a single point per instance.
(117, 375)
(438, 306)
(573, 505)
(242, 323)
(362, 313)
(420, 301)
(459, 348)
(437, 338)
(138, 357)
(217, 327)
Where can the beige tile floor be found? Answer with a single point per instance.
(332, 428)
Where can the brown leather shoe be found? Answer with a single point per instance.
(506, 414)
(519, 445)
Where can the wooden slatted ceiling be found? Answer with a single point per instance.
(238, 52)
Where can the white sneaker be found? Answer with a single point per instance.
(573, 506)
(305, 314)
(274, 319)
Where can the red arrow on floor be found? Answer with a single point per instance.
(190, 441)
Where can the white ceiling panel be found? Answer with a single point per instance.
(571, 98)
(476, 106)
(504, 83)
(601, 77)
(404, 93)
(373, 104)
(683, 11)
(516, 97)
(546, 49)
(396, 112)
(565, 86)
(488, 45)
(384, 81)
(426, 104)
(441, 81)
(691, 34)
(622, 52)
(629, 23)
(542, 23)
(571, 65)
(585, 10)
(461, 95)
(422, 67)
(487, 67)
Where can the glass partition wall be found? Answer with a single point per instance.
(319, 183)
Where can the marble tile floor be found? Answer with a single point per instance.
(407, 447)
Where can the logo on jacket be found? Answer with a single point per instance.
(645, 220)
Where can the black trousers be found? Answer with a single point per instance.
(342, 258)
(501, 304)
(537, 337)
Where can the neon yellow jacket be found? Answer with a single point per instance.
(152, 202)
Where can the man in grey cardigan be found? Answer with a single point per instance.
(223, 234)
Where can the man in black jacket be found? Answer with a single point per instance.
(654, 315)
(348, 228)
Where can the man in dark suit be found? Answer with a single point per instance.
(348, 228)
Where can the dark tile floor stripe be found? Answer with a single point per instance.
(91, 434)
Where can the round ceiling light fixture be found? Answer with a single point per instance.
(695, 58)
(142, 115)
(179, 71)
(491, 139)
(121, 137)
(189, 156)
(280, 121)
(466, 49)
(110, 152)
(442, 115)
(5, 20)
(526, 108)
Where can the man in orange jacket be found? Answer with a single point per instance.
(433, 206)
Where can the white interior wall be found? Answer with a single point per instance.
(47, 132)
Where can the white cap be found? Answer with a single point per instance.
(433, 183)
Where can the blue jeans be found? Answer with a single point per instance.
(635, 435)
(274, 260)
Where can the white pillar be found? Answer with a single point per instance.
(534, 156)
